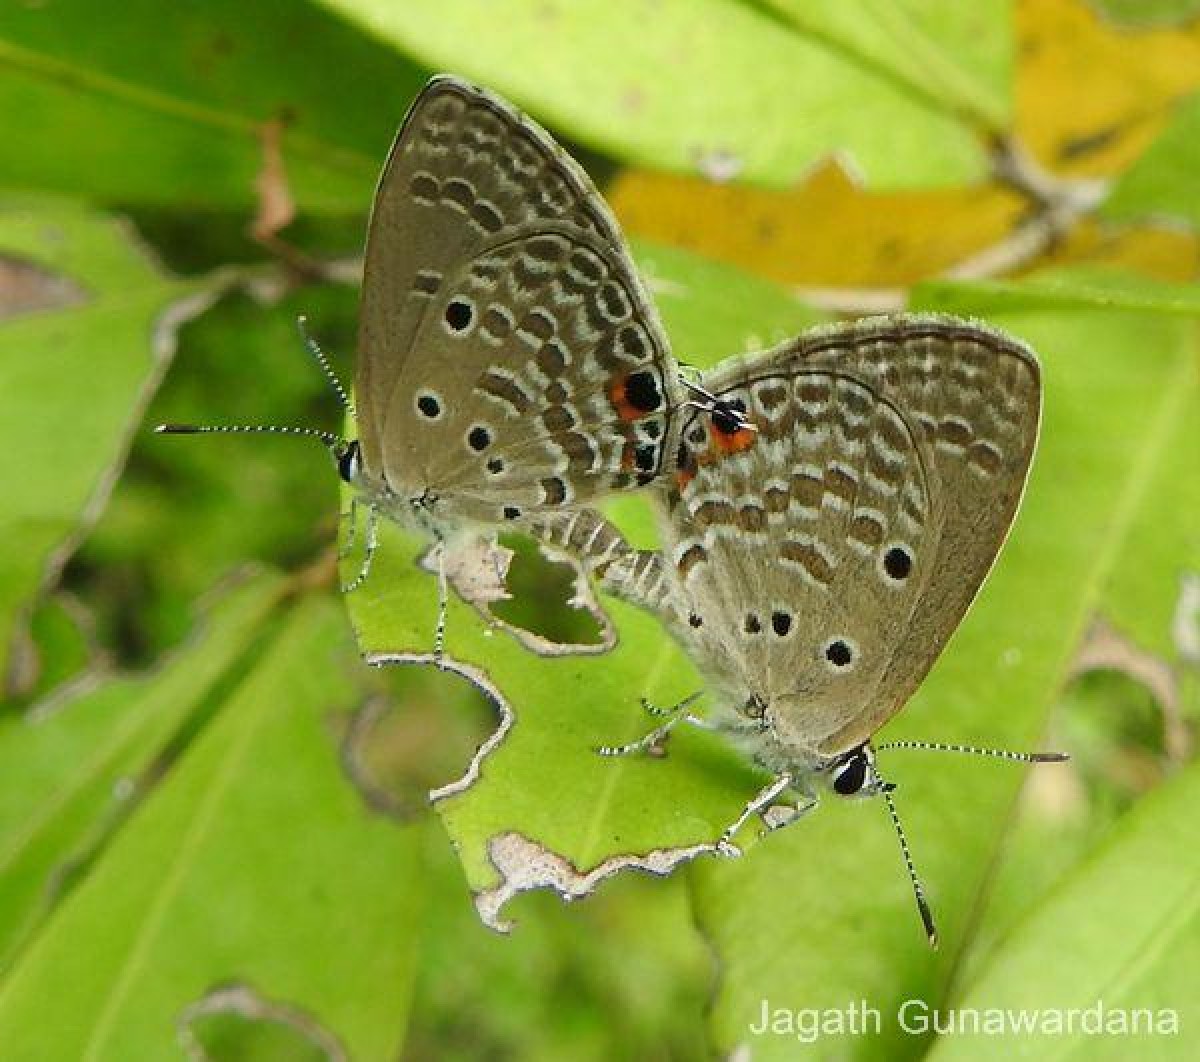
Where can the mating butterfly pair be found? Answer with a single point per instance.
(830, 507)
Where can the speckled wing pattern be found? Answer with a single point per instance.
(823, 558)
(831, 552)
(509, 358)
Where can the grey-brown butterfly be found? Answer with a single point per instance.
(831, 518)
(510, 364)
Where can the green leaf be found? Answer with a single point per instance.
(821, 914)
(190, 508)
(69, 419)
(165, 104)
(702, 86)
(255, 864)
(1080, 288)
(1122, 931)
(1145, 13)
(1163, 182)
(959, 56)
(70, 776)
(712, 310)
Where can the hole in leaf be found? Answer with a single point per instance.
(542, 601)
(235, 1022)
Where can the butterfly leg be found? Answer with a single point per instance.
(676, 714)
(372, 537)
(351, 518)
(761, 800)
(439, 634)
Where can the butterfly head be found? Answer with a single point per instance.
(347, 455)
(853, 773)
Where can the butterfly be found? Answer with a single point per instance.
(510, 363)
(831, 516)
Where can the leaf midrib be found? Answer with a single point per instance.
(100, 84)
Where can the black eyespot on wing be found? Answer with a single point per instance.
(641, 392)
(495, 466)
(728, 417)
(838, 653)
(781, 623)
(428, 405)
(695, 621)
(752, 624)
(897, 562)
(644, 457)
(754, 707)
(459, 314)
(511, 512)
(479, 438)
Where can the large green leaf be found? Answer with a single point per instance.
(69, 777)
(1116, 730)
(1120, 935)
(712, 310)
(959, 56)
(1163, 182)
(76, 376)
(710, 86)
(164, 104)
(821, 914)
(255, 864)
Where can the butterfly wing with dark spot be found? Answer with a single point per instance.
(559, 359)
(470, 186)
(777, 542)
(973, 397)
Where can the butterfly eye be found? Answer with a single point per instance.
(850, 776)
(349, 461)
(728, 417)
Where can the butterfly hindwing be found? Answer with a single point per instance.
(552, 382)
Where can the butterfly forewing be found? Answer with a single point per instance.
(498, 294)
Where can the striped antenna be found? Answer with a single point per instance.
(918, 888)
(971, 750)
(334, 442)
(314, 348)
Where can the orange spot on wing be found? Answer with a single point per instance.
(616, 394)
(734, 442)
